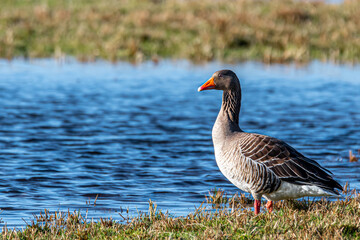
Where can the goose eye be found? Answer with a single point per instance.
(220, 75)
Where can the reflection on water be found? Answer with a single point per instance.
(129, 133)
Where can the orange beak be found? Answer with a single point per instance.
(209, 84)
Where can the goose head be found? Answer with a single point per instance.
(225, 80)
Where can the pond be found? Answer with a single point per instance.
(70, 131)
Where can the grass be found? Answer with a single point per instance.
(352, 157)
(219, 217)
(136, 30)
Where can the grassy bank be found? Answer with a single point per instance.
(220, 217)
(227, 30)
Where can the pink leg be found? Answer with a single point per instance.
(257, 205)
(270, 206)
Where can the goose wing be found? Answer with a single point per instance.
(287, 164)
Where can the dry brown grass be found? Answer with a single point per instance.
(352, 157)
(227, 30)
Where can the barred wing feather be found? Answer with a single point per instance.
(287, 164)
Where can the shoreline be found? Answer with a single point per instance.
(174, 61)
(219, 216)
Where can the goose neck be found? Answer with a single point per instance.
(230, 108)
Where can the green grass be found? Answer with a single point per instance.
(219, 217)
(136, 30)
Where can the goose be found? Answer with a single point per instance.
(261, 165)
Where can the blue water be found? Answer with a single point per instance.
(70, 131)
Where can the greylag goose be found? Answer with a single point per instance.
(261, 165)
